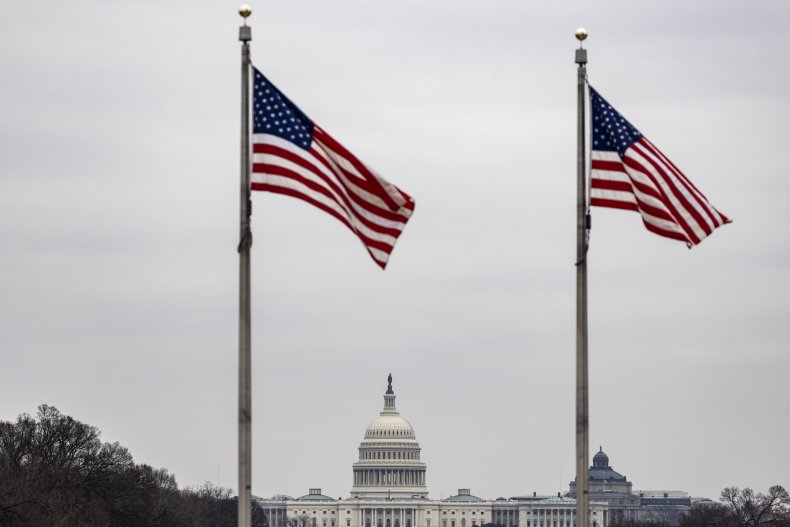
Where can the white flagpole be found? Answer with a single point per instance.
(245, 242)
(582, 228)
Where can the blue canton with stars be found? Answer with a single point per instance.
(610, 130)
(275, 114)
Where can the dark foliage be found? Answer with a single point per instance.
(55, 471)
(301, 520)
(743, 508)
(619, 520)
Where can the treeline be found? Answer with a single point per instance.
(737, 508)
(743, 508)
(55, 471)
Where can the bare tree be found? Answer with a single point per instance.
(754, 509)
(744, 508)
(281, 497)
(300, 520)
(618, 519)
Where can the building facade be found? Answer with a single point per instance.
(624, 504)
(389, 489)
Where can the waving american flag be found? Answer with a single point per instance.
(628, 172)
(291, 155)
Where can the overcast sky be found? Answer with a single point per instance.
(119, 141)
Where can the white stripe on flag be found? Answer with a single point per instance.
(613, 195)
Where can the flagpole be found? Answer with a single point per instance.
(245, 242)
(582, 227)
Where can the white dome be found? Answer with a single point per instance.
(389, 426)
(389, 457)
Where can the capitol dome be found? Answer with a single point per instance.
(389, 456)
(389, 426)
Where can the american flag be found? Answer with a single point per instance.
(291, 155)
(628, 172)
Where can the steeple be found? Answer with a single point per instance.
(389, 398)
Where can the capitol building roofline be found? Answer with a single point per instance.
(389, 490)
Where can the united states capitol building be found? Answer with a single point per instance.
(389, 490)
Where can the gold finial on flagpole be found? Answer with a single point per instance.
(581, 53)
(245, 11)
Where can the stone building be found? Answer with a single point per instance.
(389, 489)
(607, 485)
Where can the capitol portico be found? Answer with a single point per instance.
(389, 489)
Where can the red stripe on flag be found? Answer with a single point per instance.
(613, 204)
(611, 166)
